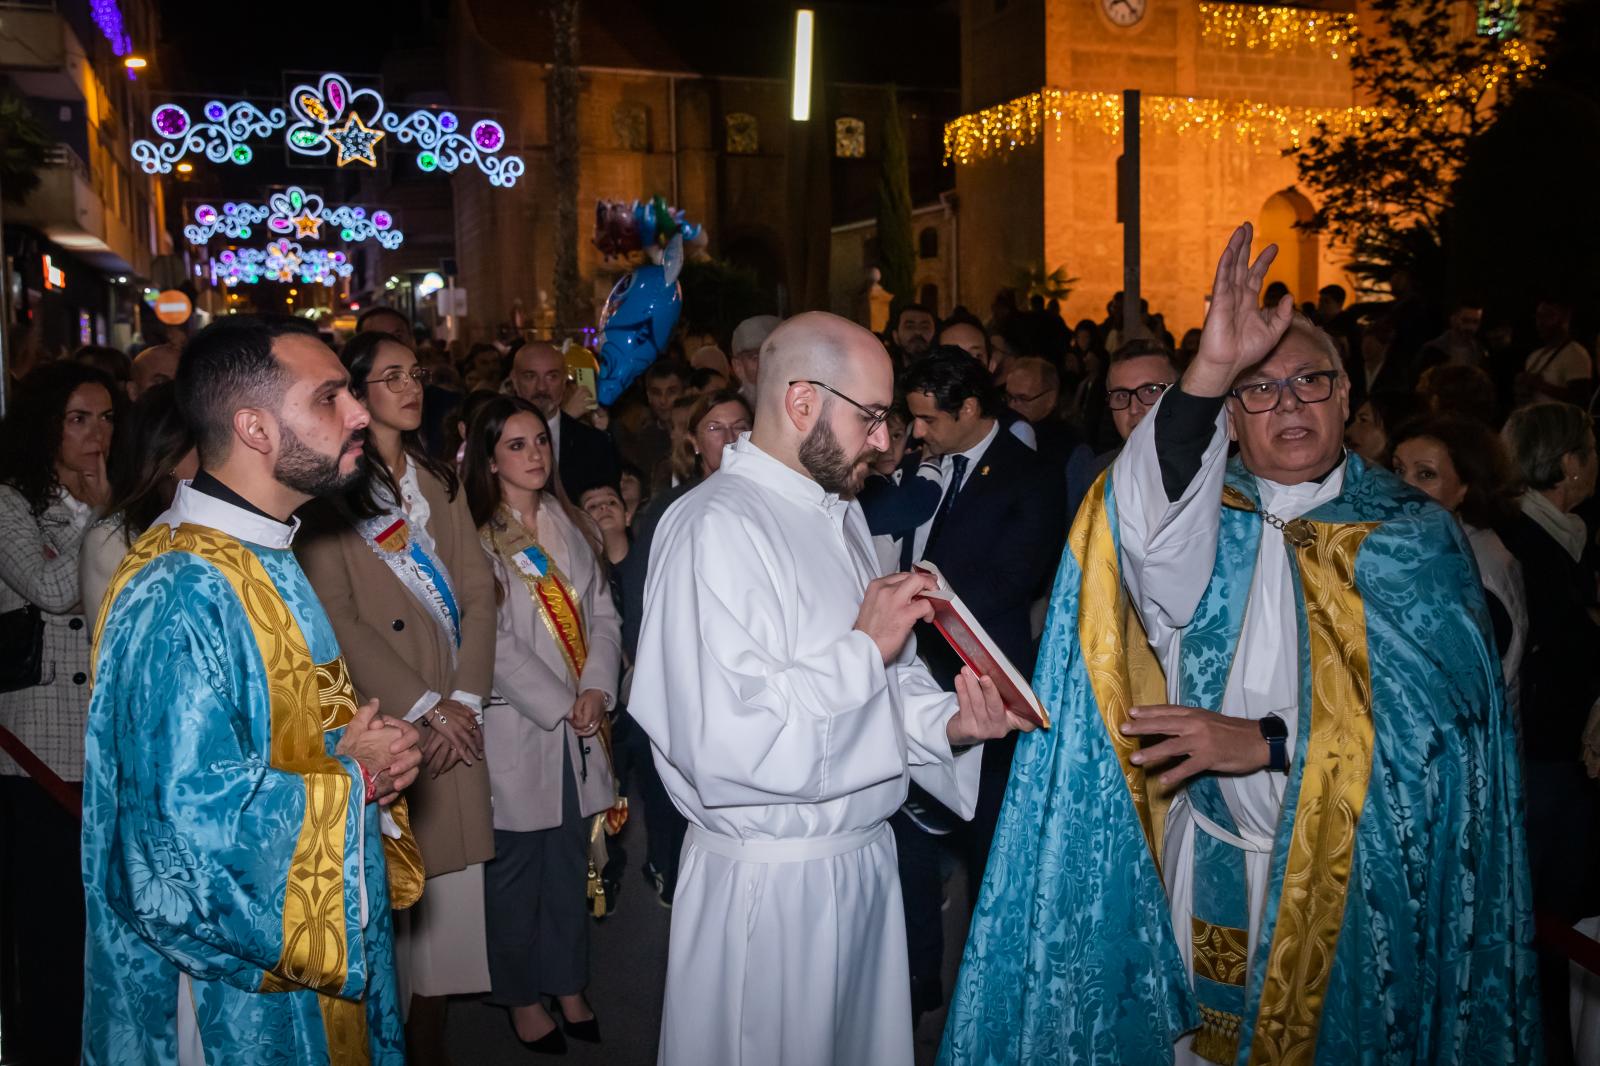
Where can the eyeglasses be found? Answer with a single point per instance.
(1012, 397)
(1259, 397)
(874, 418)
(398, 379)
(1148, 393)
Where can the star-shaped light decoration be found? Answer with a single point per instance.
(308, 226)
(356, 141)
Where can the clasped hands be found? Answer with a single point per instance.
(1202, 740)
(386, 748)
(451, 735)
(894, 604)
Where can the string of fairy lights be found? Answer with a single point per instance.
(1259, 125)
(1278, 29)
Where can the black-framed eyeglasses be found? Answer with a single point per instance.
(1259, 397)
(875, 418)
(397, 379)
(1147, 394)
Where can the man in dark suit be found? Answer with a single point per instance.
(996, 536)
(585, 457)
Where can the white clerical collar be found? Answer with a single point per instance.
(195, 508)
(743, 459)
(1302, 497)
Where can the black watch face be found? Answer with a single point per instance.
(1273, 728)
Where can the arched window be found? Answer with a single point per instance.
(928, 243)
(743, 134)
(849, 138)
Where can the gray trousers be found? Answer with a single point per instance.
(536, 912)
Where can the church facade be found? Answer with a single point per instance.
(1225, 89)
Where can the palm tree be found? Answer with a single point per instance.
(564, 160)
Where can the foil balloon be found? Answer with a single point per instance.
(637, 321)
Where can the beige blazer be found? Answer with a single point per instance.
(526, 732)
(396, 651)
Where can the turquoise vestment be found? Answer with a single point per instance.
(224, 842)
(1398, 923)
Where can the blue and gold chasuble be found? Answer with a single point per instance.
(223, 840)
(1398, 923)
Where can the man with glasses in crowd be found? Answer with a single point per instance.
(1140, 372)
(778, 681)
(1344, 854)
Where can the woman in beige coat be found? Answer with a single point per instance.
(557, 658)
(398, 568)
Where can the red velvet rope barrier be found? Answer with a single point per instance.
(67, 795)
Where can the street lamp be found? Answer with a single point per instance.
(135, 63)
(804, 30)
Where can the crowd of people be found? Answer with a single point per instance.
(347, 655)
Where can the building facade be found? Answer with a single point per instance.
(1226, 88)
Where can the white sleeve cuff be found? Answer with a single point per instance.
(423, 705)
(467, 699)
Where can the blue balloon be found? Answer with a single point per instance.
(634, 327)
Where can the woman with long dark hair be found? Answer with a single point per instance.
(558, 654)
(53, 448)
(397, 566)
(152, 452)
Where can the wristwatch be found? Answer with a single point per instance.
(1276, 734)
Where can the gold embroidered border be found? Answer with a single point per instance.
(1221, 954)
(553, 596)
(1333, 788)
(314, 948)
(1123, 671)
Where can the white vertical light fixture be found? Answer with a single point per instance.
(804, 28)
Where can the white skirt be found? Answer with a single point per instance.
(440, 946)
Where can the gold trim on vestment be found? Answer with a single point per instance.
(306, 701)
(1335, 771)
(1123, 671)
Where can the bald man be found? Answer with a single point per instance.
(778, 681)
(151, 367)
(586, 458)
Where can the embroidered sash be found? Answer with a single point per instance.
(392, 539)
(552, 593)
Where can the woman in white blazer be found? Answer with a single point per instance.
(557, 659)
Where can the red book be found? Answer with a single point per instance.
(957, 625)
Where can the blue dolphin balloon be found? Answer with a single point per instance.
(637, 321)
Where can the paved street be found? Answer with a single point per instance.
(629, 963)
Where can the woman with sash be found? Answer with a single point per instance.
(397, 566)
(557, 657)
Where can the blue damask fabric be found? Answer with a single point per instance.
(1071, 957)
(189, 832)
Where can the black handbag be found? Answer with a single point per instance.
(21, 648)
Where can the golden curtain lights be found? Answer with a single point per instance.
(1022, 121)
(1277, 29)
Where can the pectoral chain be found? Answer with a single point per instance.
(1297, 531)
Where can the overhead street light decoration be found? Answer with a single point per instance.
(328, 118)
(282, 260)
(298, 213)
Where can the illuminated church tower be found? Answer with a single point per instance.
(1226, 87)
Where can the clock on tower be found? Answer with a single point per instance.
(1123, 12)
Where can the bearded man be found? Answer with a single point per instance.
(779, 684)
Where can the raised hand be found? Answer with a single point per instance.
(1239, 332)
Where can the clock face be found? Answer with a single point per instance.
(1124, 12)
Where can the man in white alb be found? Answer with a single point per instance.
(778, 682)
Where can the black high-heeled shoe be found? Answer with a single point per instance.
(587, 1031)
(551, 1043)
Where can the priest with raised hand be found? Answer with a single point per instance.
(1316, 759)
(778, 681)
